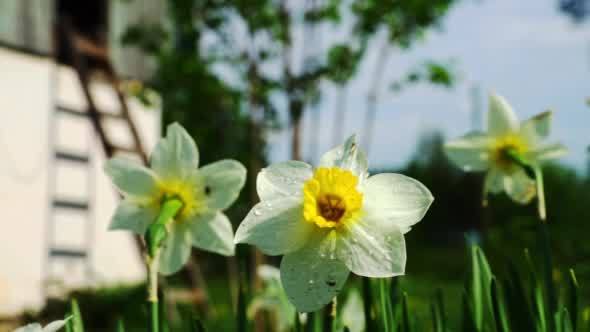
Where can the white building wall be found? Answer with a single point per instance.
(25, 110)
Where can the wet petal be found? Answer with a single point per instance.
(223, 182)
(501, 117)
(176, 250)
(519, 187)
(395, 200)
(176, 156)
(494, 181)
(132, 217)
(470, 152)
(54, 326)
(369, 250)
(547, 152)
(212, 232)
(311, 279)
(35, 327)
(347, 156)
(276, 227)
(284, 179)
(537, 128)
(131, 178)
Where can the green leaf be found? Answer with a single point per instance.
(498, 308)
(367, 303)
(572, 298)
(437, 308)
(76, 321)
(480, 282)
(517, 300)
(120, 325)
(386, 314)
(406, 321)
(468, 322)
(197, 325)
(539, 306)
(566, 324)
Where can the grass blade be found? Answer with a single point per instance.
(367, 302)
(76, 321)
(498, 308)
(572, 298)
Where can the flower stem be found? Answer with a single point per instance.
(154, 238)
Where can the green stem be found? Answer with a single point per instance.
(384, 310)
(154, 238)
(522, 162)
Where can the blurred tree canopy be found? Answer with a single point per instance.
(270, 51)
(578, 10)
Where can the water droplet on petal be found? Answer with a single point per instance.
(257, 212)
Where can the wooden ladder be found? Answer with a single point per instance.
(81, 54)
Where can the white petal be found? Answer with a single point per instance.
(176, 155)
(546, 152)
(131, 178)
(176, 250)
(223, 181)
(353, 315)
(370, 251)
(276, 227)
(494, 181)
(283, 179)
(213, 232)
(501, 117)
(519, 187)
(54, 326)
(132, 217)
(537, 128)
(311, 279)
(470, 152)
(396, 200)
(347, 156)
(35, 327)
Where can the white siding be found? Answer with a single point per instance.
(25, 109)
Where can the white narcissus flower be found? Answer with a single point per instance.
(491, 151)
(332, 220)
(36, 327)
(205, 192)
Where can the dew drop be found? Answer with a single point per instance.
(257, 212)
(311, 282)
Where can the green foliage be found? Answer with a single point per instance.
(405, 21)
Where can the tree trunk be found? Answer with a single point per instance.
(339, 116)
(372, 96)
(296, 114)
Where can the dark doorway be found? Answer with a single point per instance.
(87, 19)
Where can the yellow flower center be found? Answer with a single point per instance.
(191, 196)
(504, 144)
(331, 198)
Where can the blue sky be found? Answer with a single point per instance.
(525, 50)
